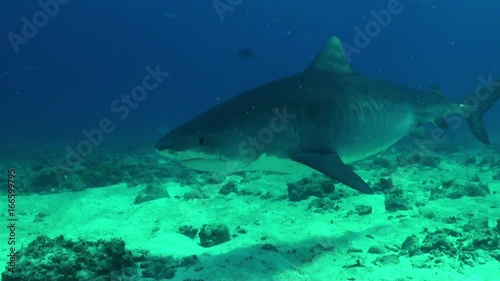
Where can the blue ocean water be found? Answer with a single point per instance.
(65, 78)
(68, 66)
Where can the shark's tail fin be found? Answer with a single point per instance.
(477, 105)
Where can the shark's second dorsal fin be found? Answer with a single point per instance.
(332, 59)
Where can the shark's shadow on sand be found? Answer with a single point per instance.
(262, 261)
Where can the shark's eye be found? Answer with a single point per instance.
(201, 141)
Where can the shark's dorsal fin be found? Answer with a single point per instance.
(332, 59)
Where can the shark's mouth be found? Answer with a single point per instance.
(200, 161)
(215, 163)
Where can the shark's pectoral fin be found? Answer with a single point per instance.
(332, 165)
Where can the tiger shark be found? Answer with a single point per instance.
(320, 119)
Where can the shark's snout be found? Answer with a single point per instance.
(166, 147)
(172, 142)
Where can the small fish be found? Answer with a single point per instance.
(246, 53)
